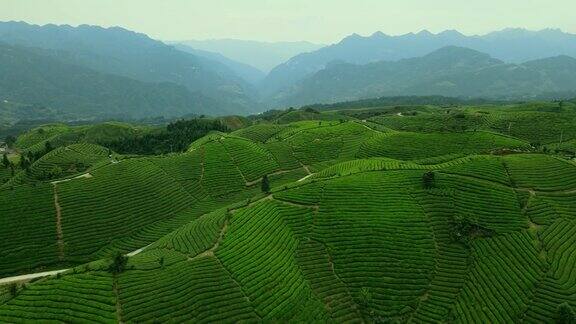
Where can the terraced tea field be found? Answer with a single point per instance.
(389, 219)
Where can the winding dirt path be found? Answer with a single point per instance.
(306, 177)
(210, 251)
(87, 175)
(28, 277)
(59, 232)
(202, 162)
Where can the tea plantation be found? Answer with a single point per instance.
(464, 216)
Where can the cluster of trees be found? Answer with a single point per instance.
(118, 264)
(565, 314)
(464, 229)
(402, 101)
(175, 138)
(52, 173)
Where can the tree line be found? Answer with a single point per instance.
(176, 137)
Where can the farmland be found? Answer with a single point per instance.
(410, 214)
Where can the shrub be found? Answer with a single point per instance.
(428, 180)
(463, 230)
(265, 184)
(5, 161)
(365, 297)
(13, 289)
(565, 314)
(118, 264)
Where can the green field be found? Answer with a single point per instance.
(435, 214)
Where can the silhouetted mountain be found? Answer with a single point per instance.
(262, 55)
(245, 71)
(129, 54)
(28, 76)
(449, 71)
(509, 45)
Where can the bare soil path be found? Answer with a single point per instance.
(29, 277)
(59, 232)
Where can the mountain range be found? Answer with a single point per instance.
(94, 72)
(124, 53)
(450, 71)
(508, 45)
(27, 75)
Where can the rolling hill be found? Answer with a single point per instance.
(443, 215)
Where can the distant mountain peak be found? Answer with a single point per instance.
(452, 49)
(559, 59)
(456, 55)
(451, 33)
(354, 36)
(519, 33)
(378, 34)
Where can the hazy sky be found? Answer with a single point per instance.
(323, 21)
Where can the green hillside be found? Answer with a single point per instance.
(439, 216)
(127, 72)
(80, 92)
(338, 249)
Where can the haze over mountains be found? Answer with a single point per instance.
(243, 70)
(31, 77)
(450, 71)
(263, 55)
(94, 72)
(509, 45)
(128, 54)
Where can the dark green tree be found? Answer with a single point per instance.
(118, 264)
(5, 161)
(13, 289)
(24, 163)
(265, 184)
(428, 180)
(10, 141)
(565, 314)
(48, 147)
